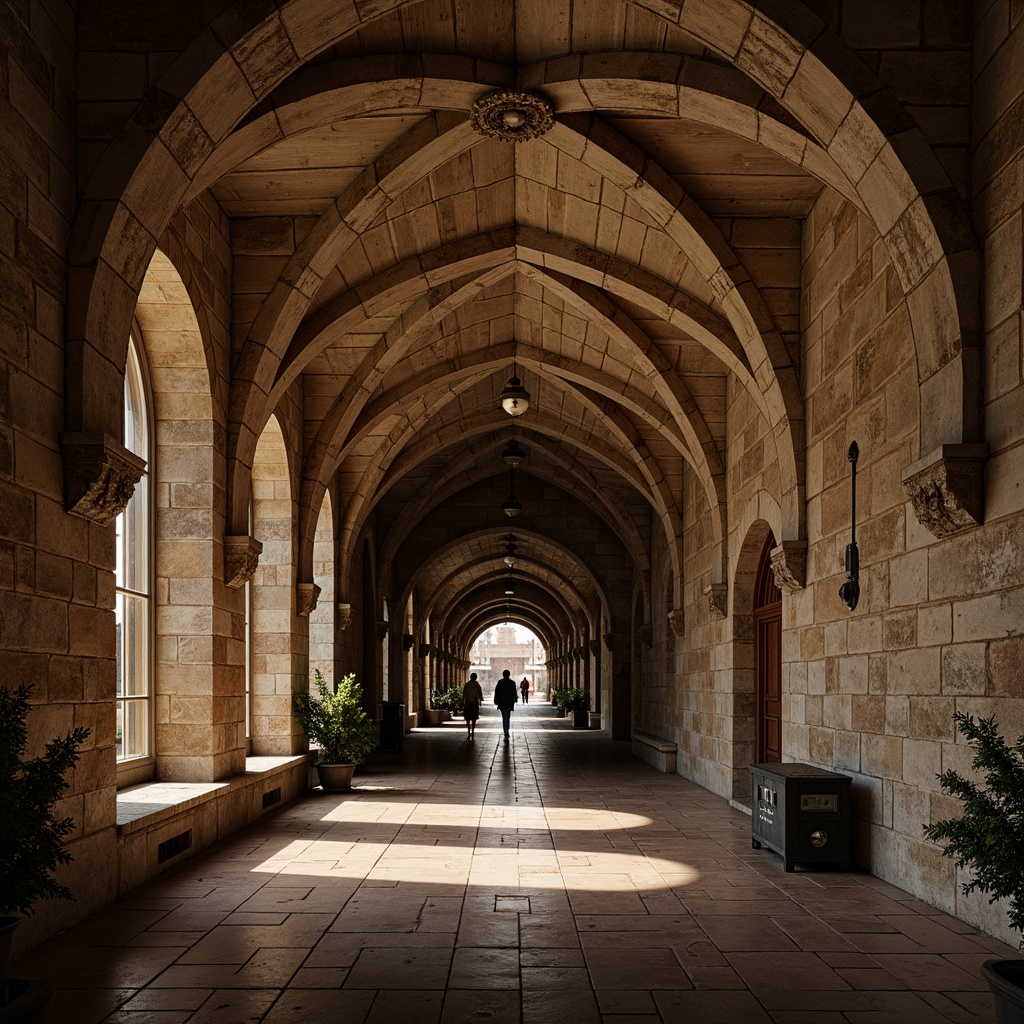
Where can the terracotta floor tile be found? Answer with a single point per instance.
(559, 867)
(400, 968)
(710, 1008)
(310, 1005)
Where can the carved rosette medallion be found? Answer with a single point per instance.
(306, 596)
(100, 475)
(947, 488)
(717, 596)
(512, 116)
(241, 556)
(677, 621)
(789, 565)
(343, 616)
(646, 634)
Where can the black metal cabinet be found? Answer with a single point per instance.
(802, 813)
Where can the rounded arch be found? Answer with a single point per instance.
(225, 73)
(273, 597)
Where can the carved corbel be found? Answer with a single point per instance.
(343, 617)
(608, 638)
(677, 621)
(789, 565)
(646, 634)
(947, 488)
(100, 475)
(717, 597)
(241, 556)
(595, 646)
(424, 650)
(382, 629)
(306, 595)
(407, 641)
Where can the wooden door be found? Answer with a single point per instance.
(768, 658)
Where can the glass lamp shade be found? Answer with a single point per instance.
(509, 590)
(513, 455)
(510, 561)
(511, 508)
(515, 399)
(514, 118)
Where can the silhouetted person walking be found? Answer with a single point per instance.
(472, 698)
(524, 689)
(506, 698)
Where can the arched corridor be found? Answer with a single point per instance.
(337, 334)
(556, 879)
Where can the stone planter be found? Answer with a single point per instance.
(594, 719)
(581, 719)
(434, 716)
(1006, 979)
(335, 778)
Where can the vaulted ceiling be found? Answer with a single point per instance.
(628, 262)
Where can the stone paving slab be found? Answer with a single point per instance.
(556, 879)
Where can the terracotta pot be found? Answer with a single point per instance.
(28, 1002)
(7, 927)
(21, 1002)
(1006, 979)
(335, 777)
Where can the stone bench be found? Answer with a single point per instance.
(655, 751)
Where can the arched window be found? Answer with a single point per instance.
(133, 610)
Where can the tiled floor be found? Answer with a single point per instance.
(556, 879)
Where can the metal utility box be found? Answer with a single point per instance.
(802, 813)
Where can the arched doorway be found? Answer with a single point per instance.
(768, 658)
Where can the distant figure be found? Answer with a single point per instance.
(524, 689)
(506, 698)
(472, 695)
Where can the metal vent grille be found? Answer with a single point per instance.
(172, 847)
(271, 797)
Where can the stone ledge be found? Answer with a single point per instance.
(153, 812)
(657, 752)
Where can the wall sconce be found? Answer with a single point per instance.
(514, 398)
(850, 590)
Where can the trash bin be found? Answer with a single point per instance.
(392, 724)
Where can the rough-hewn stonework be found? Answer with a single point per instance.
(730, 256)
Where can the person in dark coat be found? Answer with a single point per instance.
(472, 698)
(506, 697)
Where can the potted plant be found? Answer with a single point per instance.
(31, 840)
(578, 702)
(560, 698)
(989, 839)
(337, 722)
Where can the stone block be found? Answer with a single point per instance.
(963, 669)
(922, 762)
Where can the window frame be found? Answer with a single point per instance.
(140, 767)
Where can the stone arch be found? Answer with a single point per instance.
(321, 618)
(200, 733)
(274, 666)
(245, 52)
(742, 695)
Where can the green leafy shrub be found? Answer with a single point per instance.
(31, 839)
(447, 700)
(336, 721)
(577, 700)
(989, 837)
